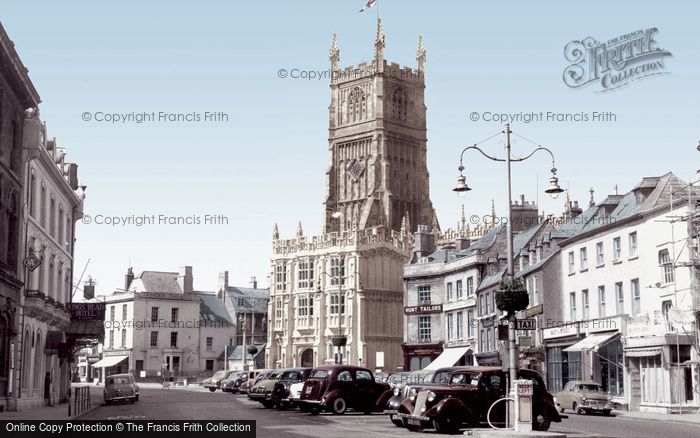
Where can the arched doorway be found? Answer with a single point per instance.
(307, 358)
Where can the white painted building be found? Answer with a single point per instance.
(621, 293)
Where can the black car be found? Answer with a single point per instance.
(234, 381)
(280, 393)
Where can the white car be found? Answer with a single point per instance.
(295, 393)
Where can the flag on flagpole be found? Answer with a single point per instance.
(369, 4)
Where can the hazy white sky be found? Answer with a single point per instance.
(266, 163)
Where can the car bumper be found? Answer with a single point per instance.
(121, 398)
(414, 420)
(260, 397)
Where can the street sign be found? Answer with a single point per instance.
(32, 262)
(526, 324)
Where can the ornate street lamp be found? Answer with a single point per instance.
(511, 298)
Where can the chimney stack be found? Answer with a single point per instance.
(184, 279)
(424, 243)
(223, 283)
(128, 278)
(253, 282)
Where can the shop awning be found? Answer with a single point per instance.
(643, 352)
(593, 341)
(109, 361)
(447, 358)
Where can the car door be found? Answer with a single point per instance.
(492, 386)
(365, 390)
(345, 386)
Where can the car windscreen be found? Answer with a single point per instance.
(590, 388)
(218, 375)
(319, 374)
(291, 375)
(464, 379)
(118, 380)
(441, 377)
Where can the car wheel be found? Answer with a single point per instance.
(136, 398)
(577, 409)
(446, 424)
(212, 389)
(397, 421)
(267, 404)
(315, 411)
(338, 406)
(606, 413)
(541, 423)
(282, 406)
(108, 402)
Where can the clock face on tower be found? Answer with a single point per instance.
(355, 169)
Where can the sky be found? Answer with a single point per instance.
(266, 163)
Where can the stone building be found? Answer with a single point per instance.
(17, 94)
(628, 299)
(247, 307)
(348, 280)
(54, 201)
(160, 322)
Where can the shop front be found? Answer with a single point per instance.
(419, 356)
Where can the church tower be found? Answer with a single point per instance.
(377, 142)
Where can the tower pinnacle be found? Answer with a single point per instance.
(334, 53)
(379, 44)
(421, 55)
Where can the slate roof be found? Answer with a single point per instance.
(212, 310)
(627, 206)
(256, 299)
(484, 242)
(491, 280)
(534, 267)
(156, 281)
(237, 353)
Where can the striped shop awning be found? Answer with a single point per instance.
(643, 352)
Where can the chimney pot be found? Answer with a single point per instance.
(184, 279)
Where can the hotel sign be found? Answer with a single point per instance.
(422, 310)
(86, 311)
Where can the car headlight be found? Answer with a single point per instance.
(397, 391)
(431, 396)
(412, 395)
(583, 398)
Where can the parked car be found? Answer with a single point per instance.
(281, 390)
(398, 380)
(416, 380)
(380, 376)
(295, 395)
(233, 381)
(253, 378)
(262, 391)
(120, 387)
(584, 397)
(214, 382)
(337, 388)
(467, 399)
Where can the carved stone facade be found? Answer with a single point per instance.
(17, 94)
(348, 280)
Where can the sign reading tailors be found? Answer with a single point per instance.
(86, 311)
(426, 308)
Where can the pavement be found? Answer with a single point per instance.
(693, 417)
(57, 412)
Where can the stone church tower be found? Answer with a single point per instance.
(377, 144)
(348, 281)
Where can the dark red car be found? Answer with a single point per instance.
(466, 399)
(337, 388)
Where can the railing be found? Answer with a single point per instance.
(81, 400)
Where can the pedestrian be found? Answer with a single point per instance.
(47, 389)
(165, 374)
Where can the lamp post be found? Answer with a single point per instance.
(553, 190)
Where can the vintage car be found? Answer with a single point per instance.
(120, 387)
(416, 379)
(337, 388)
(233, 381)
(584, 397)
(214, 382)
(262, 391)
(244, 387)
(398, 380)
(281, 391)
(466, 400)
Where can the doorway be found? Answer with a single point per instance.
(307, 358)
